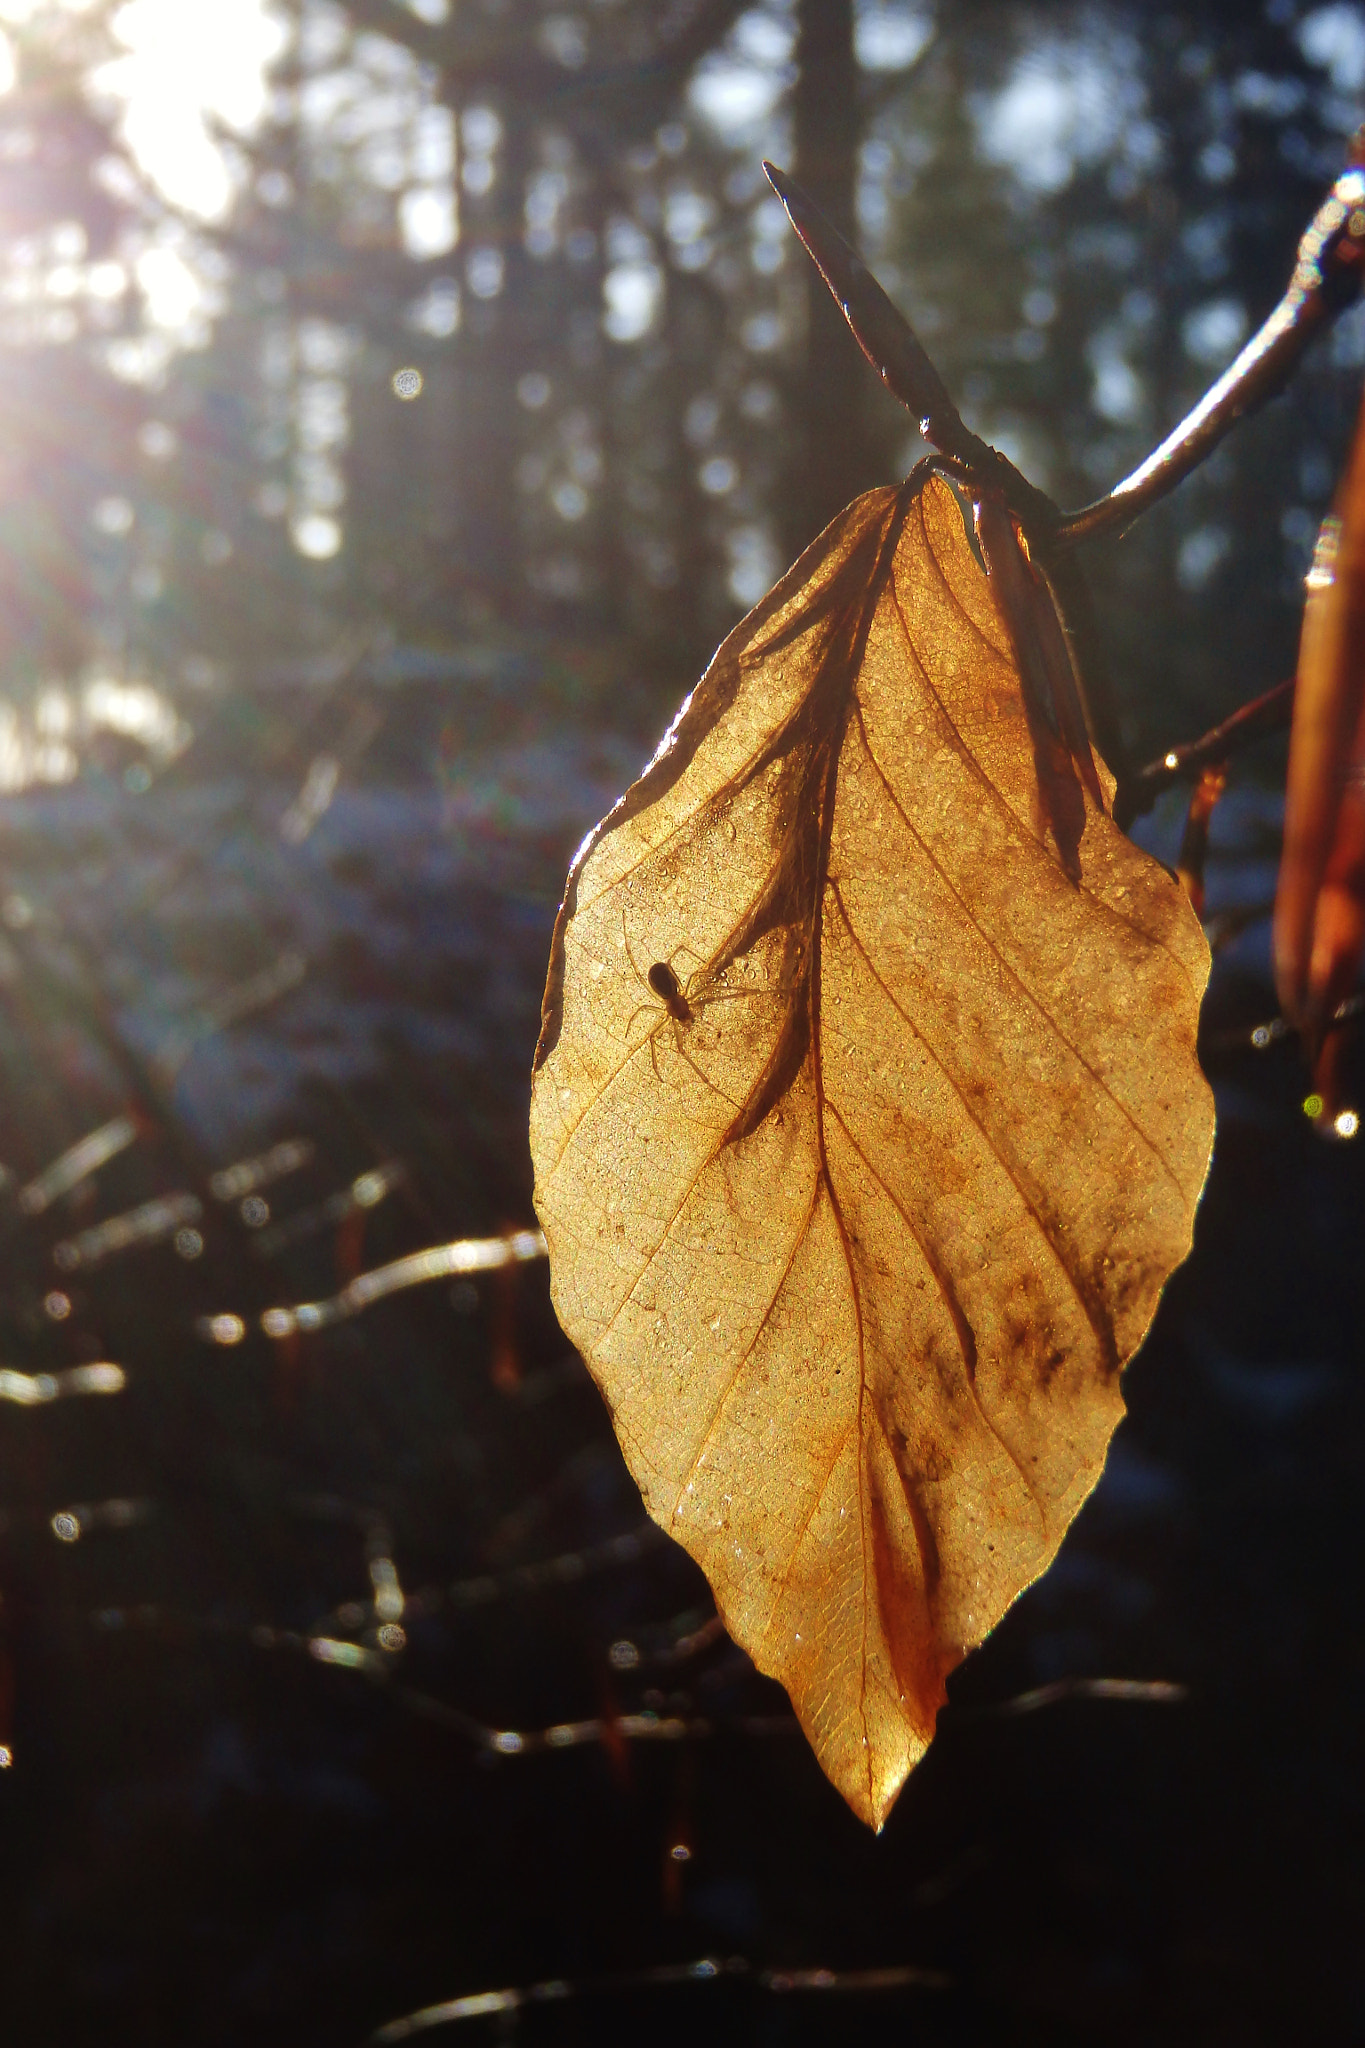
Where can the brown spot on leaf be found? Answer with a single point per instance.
(933, 1131)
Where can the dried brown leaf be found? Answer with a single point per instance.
(866, 1137)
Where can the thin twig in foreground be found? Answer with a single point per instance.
(1147, 1691)
(708, 1970)
(895, 352)
(1326, 280)
(1275, 1030)
(439, 1262)
(1267, 713)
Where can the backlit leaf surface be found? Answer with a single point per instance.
(865, 1136)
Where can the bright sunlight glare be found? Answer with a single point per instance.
(17, 12)
(187, 68)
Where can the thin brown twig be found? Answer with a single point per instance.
(1144, 1691)
(1265, 714)
(895, 352)
(379, 1666)
(1194, 845)
(1326, 279)
(1223, 926)
(707, 1970)
(1276, 1030)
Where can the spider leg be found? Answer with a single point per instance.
(741, 995)
(705, 1078)
(640, 976)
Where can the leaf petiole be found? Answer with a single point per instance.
(1325, 281)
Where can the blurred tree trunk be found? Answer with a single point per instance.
(836, 462)
(490, 549)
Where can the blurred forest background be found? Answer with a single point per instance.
(398, 401)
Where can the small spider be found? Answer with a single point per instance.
(664, 983)
(680, 1006)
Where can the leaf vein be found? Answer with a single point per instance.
(954, 1308)
(1032, 846)
(748, 1351)
(1103, 1335)
(1029, 994)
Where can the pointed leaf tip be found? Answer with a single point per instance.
(866, 1140)
(880, 328)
